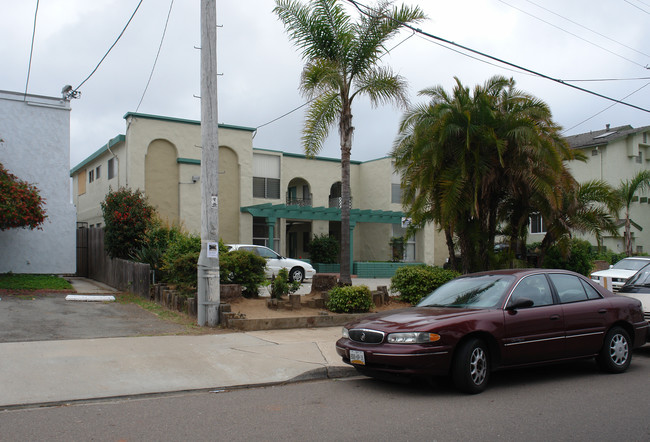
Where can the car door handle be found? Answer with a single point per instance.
(554, 317)
(602, 311)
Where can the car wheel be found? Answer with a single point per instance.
(616, 355)
(471, 366)
(296, 274)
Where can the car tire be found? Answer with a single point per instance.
(470, 369)
(616, 354)
(296, 274)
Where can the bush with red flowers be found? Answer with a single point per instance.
(21, 204)
(127, 215)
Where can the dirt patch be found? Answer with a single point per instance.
(257, 309)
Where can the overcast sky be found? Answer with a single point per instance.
(568, 40)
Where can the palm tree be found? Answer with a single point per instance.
(626, 192)
(464, 156)
(342, 62)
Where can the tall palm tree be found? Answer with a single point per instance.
(626, 192)
(341, 63)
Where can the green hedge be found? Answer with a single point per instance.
(413, 283)
(350, 299)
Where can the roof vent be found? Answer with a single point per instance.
(607, 127)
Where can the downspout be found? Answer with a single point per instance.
(117, 160)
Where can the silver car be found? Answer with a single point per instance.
(298, 270)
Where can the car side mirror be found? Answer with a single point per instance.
(520, 303)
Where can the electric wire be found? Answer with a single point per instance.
(607, 108)
(638, 7)
(571, 33)
(112, 46)
(588, 29)
(360, 7)
(31, 52)
(157, 55)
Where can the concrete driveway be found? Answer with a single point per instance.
(46, 317)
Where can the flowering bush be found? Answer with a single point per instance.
(126, 216)
(21, 205)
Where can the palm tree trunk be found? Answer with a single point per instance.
(346, 130)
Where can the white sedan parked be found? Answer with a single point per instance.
(621, 271)
(298, 270)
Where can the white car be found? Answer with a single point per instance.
(621, 271)
(298, 270)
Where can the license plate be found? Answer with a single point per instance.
(357, 357)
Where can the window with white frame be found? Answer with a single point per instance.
(409, 243)
(537, 224)
(395, 187)
(266, 176)
(111, 168)
(91, 176)
(97, 172)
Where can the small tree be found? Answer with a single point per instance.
(324, 249)
(127, 214)
(21, 204)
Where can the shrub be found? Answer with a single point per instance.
(415, 282)
(180, 259)
(324, 249)
(579, 260)
(155, 242)
(281, 286)
(21, 204)
(126, 216)
(350, 299)
(241, 267)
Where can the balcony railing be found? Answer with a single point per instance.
(301, 202)
(337, 202)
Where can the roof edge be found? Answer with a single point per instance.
(112, 142)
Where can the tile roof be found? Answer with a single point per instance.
(602, 137)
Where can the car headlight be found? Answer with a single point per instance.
(412, 338)
(345, 333)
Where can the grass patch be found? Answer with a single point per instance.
(168, 315)
(12, 281)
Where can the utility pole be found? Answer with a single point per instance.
(208, 265)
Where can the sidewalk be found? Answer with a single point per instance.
(52, 372)
(61, 371)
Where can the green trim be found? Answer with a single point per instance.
(112, 142)
(184, 121)
(322, 213)
(188, 161)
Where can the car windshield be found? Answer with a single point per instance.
(630, 264)
(642, 277)
(485, 291)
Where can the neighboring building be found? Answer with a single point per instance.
(35, 146)
(614, 155)
(266, 197)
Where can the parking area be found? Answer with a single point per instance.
(46, 317)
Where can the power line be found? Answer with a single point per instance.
(588, 29)
(539, 74)
(109, 49)
(639, 8)
(31, 51)
(157, 54)
(571, 33)
(607, 108)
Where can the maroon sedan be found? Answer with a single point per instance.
(485, 321)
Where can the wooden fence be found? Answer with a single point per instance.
(118, 273)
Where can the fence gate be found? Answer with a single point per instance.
(82, 250)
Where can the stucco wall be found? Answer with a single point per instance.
(36, 148)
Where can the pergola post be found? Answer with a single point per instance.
(270, 223)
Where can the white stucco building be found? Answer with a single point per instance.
(35, 146)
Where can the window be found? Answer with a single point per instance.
(569, 288)
(395, 188)
(261, 233)
(409, 243)
(111, 168)
(535, 288)
(537, 223)
(266, 176)
(91, 176)
(97, 174)
(639, 159)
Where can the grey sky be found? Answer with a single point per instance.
(261, 68)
